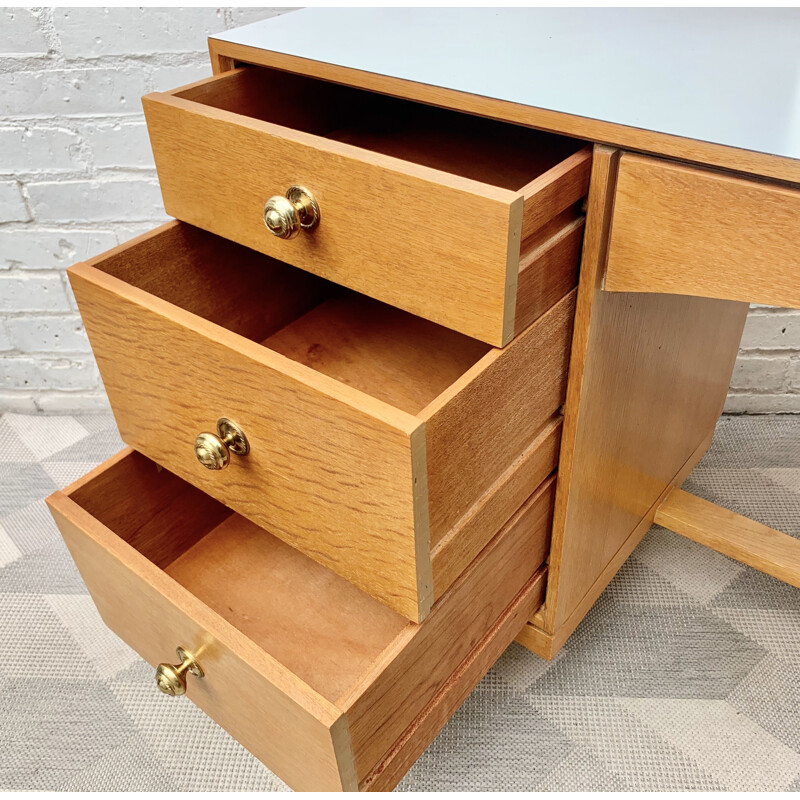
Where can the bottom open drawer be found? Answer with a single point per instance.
(327, 686)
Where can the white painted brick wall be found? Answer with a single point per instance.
(767, 373)
(76, 171)
(77, 177)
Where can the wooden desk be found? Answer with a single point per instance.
(435, 434)
(693, 210)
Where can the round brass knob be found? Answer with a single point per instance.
(171, 679)
(286, 216)
(213, 451)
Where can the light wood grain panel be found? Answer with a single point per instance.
(648, 380)
(319, 626)
(608, 133)
(412, 744)
(654, 387)
(413, 670)
(253, 296)
(465, 539)
(463, 145)
(423, 404)
(144, 513)
(317, 464)
(731, 534)
(682, 230)
(294, 731)
(398, 358)
(481, 424)
(371, 206)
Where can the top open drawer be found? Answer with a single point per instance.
(472, 223)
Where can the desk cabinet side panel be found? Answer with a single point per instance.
(648, 381)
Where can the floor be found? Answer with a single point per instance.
(685, 675)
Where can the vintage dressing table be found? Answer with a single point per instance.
(448, 312)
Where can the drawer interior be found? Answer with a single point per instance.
(484, 150)
(383, 351)
(318, 625)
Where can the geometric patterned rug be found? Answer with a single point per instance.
(684, 676)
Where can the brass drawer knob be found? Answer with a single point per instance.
(213, 451)
(171, 679)
(286, 216)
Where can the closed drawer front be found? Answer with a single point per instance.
(328, 687)
(471, 223)
(683, 230)
(386, 447)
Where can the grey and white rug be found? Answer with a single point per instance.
(684, 676)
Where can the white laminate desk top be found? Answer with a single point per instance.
(727, 76)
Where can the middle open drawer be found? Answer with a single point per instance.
(384, 446)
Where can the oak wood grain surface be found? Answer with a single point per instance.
(465, 539)
(295, 731)
(683, 230)
(421, 661)
(411, 745)
(548, 270)
(547, 645)
(648, 379)
(170, 375)
(480, 425)
(387, 353)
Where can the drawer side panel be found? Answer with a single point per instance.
(425, 728)
(456, 551)
(420, 663)
(479, 428)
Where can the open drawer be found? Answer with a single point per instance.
(328, 687)
(375, 437)
(469, 222)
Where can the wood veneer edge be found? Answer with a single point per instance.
(422, 528)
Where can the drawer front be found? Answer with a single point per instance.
(682, 230)
(444, 247)
(326, 686)
(294, 732)
(365, 488)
